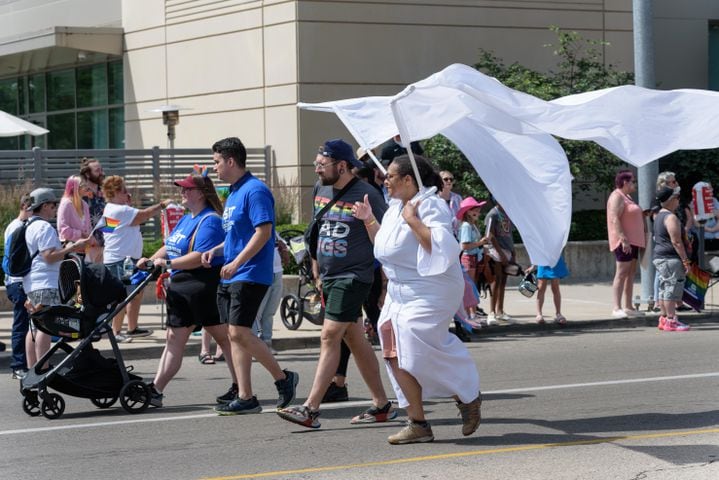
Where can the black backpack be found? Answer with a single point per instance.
(18, 260)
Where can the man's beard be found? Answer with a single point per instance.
(329, 180)
(96, 179)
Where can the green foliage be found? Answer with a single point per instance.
(580, 68)
(286, 232)
(588, 225)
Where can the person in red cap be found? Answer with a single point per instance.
(470, 240)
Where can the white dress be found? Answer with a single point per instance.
(423, 293)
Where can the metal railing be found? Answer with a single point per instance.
(148, 173)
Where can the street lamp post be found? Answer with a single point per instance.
(170, 117)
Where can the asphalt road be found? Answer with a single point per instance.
(630, 403)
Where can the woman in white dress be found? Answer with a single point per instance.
(420, 258)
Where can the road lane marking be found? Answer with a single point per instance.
(473, 453)
(360, 403)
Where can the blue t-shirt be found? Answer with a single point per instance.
(249, 205)
(468, 233)
(209, 235)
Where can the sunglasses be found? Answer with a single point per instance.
(448, 179)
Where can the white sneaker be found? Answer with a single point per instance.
(619, 313)
(633, 313)
(506, 318)
(122, 338)
(491, 319)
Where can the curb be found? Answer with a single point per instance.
(280, 344)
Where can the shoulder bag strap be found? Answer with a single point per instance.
(339, 194)
(194, 233)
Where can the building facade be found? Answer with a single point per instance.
(92, 71)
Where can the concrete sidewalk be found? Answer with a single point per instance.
(584, 306)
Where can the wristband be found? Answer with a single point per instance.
(370, 223)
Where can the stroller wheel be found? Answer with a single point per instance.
(31, 405)
(135, 396)
(52, 406)
(290, 312)
(104, 402)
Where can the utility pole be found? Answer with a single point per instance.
(644, 77)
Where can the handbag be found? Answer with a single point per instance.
(312, 234)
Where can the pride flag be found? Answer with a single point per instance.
(107, 225)
(695, 287)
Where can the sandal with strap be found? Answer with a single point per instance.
(560, 320)
(540, 319)
(206, 359)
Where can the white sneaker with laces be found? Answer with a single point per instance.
(491, 319)
(619, 313)
(633, 313)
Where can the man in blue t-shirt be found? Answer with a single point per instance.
(248, 221)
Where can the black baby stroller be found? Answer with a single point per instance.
(91, 297)
(306, 302)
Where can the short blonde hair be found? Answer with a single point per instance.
(113, 185)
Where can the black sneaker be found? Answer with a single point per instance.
(287, 388)
(155, 396)
(335, 394)
(139, 332)
(229, 396)
(239, 407)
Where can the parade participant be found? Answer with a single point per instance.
(344, 271)
(420, 258)
(192, 289)
(248, 221)
(625, 226)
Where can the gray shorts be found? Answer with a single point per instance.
(671, 278)
(44, 296)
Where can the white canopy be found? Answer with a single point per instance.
(12, 126)
(507, 136)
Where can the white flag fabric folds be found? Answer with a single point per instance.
(508, 136)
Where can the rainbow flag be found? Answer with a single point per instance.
(107, 225)
(695, 287)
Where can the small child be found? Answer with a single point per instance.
(470, 240)
(546, 275)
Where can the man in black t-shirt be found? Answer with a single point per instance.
(344, 272)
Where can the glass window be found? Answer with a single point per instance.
(61, 90)
(62, 131)
(9, 143)
(114, 84)
(714, 56)
(92, 129)
(36, 93)
(22, 99)
(117, 128)
(92, 86)
(8, 96)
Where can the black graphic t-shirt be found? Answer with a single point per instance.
(344, 249)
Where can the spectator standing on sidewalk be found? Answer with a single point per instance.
(16, 294)
(498, 228)
(41, 283)
(550, 276)
(470, 240)
(625, 227)
(454, 200)
(420, 257)
(249, 224)
(92, 177)
(344, 270)
(73, 214)
(123, 239)
(670, 259)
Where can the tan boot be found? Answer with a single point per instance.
(412, 433)
(471, 415)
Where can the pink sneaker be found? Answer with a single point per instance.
(674, 325)
(662, 322)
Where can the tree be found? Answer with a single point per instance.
(579, 69)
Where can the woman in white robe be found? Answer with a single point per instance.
(420, 258)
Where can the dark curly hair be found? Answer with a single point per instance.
(231, 147)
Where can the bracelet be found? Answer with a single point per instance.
(374, 220)
(686, 260)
